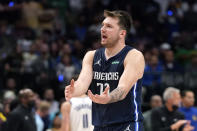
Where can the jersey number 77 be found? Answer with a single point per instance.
(101, 85)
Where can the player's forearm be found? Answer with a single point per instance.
(65, 126)
(80, 89)
(117, 95)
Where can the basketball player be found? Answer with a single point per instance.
(77, 114)
(113, 75)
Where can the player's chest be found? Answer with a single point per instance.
(101, 65)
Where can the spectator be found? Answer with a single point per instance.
(42, 111)
(42, 63)
(13, 62)
(54, 54)
(7, 40)
(65, 70)
(80, 28)
(29, 58)
(42, 68)
(152, 76)
(67, 50)
(76, 5)
(49, 96)
(56, 125)
(57, 114)
(156, 101)
(14, 103)
(31, 11)
(2, 116)
(152, 72)
(37, 100)
(170, 64)
(191, 73)
(172, 75)
(11, 84)
(188, 108)
(22, 117)
(168, 118)
(8, 98)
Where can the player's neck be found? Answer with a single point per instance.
(84, 95)
(112, 51)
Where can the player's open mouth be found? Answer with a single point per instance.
(104, 37)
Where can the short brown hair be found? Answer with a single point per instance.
(125, 20)
(44, 106)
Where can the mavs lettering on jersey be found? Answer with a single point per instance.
(106, 76)
(108, 73)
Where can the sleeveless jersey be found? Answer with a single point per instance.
(81, 114)
(108, 72)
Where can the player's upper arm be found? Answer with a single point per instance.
(86, 73)
(65, 108)
(133, 69)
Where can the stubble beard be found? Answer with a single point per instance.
(109, 44)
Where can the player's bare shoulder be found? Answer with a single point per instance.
(136, 60)
(135, 54)
(65, 106)
(89, 56)
(90, 53)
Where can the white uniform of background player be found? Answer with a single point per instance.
(77, 114)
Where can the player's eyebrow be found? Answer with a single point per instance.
(108, 24)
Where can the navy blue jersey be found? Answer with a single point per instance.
(108, 72)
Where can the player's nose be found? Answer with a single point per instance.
(103, 29)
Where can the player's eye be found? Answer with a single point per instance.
(109, 26)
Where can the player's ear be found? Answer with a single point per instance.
(123, 33)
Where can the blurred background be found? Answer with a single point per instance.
(42, 43)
